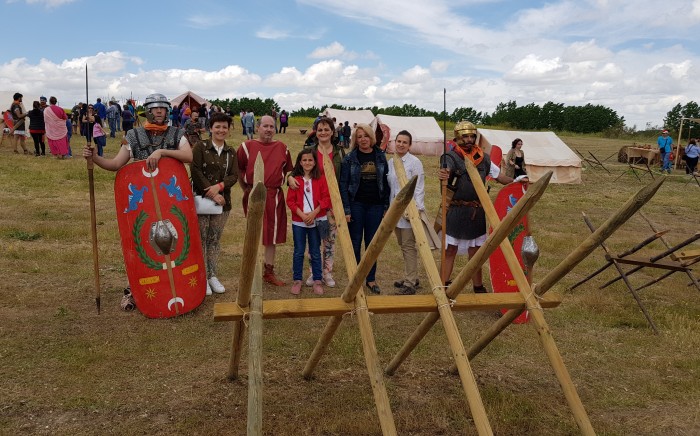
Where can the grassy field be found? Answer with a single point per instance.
(66, 370)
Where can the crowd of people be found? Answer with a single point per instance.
(367, 182)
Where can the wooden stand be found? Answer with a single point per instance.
(593, 162)
(439, 306)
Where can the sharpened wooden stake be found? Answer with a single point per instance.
(500, 232)
(565, 266)
(381, 398)
(471, 390)
(536, 313)
(255, 355)
(249, 262)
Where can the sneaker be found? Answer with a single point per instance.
(318, 287)
(216, 285)
(296, 287)
(127, 302)
(328, 280)
(310, 281)
(208, 288)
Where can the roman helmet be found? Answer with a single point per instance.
(156, 100)
(153, 101)
(464, 128)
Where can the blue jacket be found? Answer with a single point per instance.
(665, 144)
(350, 178)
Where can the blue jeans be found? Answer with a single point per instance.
(100, 142)
(666, 159)
(365, 220)
(300, 235)
(112, 127)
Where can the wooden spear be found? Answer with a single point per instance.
(251, 247)
(93, 213)
(500, 232)
(466, 375)
(443, 185)
(565, 266)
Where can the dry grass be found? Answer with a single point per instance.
(66, 370)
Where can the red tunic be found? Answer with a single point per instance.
(278, 162)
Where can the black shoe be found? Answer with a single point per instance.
(406, 290)
(480, 290)
(374, 289)
(400, 284)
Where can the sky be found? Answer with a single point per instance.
(638, 57)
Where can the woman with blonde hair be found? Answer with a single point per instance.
(365, 192)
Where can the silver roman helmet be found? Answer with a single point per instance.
(156, 100)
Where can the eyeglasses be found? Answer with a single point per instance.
(307, 184)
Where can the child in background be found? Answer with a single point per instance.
(308, 204)
(99, 136)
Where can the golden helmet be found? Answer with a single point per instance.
(464, 127)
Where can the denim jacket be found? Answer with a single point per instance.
(350, 178)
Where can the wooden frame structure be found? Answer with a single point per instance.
(440, 305)
(678, 261)
(593, 161)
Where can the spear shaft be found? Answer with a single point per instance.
(93, 214)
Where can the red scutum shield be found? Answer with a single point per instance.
(501, 278)
(160, 238)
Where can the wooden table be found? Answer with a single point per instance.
(635, 155)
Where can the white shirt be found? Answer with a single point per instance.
(414, 167)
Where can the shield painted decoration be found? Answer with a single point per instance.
(496, 156)
(502, 279)
(160, 238)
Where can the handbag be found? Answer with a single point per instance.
(207, 206)
(322, 224)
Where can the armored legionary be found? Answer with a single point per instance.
(151, 142)
(466, 220)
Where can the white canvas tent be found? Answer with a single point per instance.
(544, 151)
(427, 134)
(364, 116)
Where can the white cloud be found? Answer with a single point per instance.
(200, 21)
(334, 49)
(269, 32)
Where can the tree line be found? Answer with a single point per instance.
(550, 116)
(672, 122)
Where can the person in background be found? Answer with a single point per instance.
(37, 129)
(347, 132)
(665, 144)
(284, 121)
(99, 135)
(309, 205)
(58, 129)
(193, 129)
(100, 109)
(112, 111)
(214, 172)
(514, 163)
(365, 192)
(18, 122)
(127, 120)
(692, 152)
